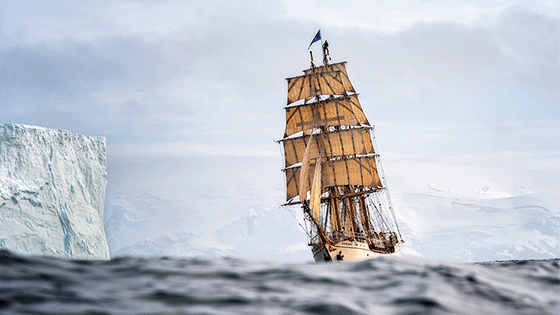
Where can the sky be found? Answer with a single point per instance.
(190, 94)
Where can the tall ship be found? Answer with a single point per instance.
(332, 167)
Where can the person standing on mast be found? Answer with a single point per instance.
(326, 52)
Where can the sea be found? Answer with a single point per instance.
(164, 285)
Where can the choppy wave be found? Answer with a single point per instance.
(39, 285)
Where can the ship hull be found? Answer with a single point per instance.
(348, 251)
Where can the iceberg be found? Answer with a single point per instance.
(52, 192)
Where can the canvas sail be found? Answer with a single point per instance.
(340, 66)
(315, 84)
(340, 111)
(358, 171)
(346, 142)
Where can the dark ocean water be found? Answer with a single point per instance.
(37, 285)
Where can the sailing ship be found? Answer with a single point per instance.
(332, 168)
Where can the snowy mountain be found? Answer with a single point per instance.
(52, 192)
(467, 214)
(147, 225)
(445, 212)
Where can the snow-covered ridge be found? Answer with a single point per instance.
(52, 192)
(463, 212)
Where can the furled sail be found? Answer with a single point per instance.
(344, 142)
(311, 152)
(315, 197)
(315, 84)
(357, 171)
(340, 111)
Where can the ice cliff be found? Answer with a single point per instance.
(52, 192)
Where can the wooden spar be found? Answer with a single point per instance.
(312, 63)
(364, 213)
(349, 212)
(335, 212)
(319, 230)
(339, 197)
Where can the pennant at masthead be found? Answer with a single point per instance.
(315, 39)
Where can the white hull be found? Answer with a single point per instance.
(348, 251)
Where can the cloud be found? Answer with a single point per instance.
(124, 83)
(212, 73)
(398, 16)
(532, 41)
(182, 149)
(445, 71)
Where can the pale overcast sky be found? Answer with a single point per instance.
(175, 79)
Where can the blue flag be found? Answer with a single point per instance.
(315, 39)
